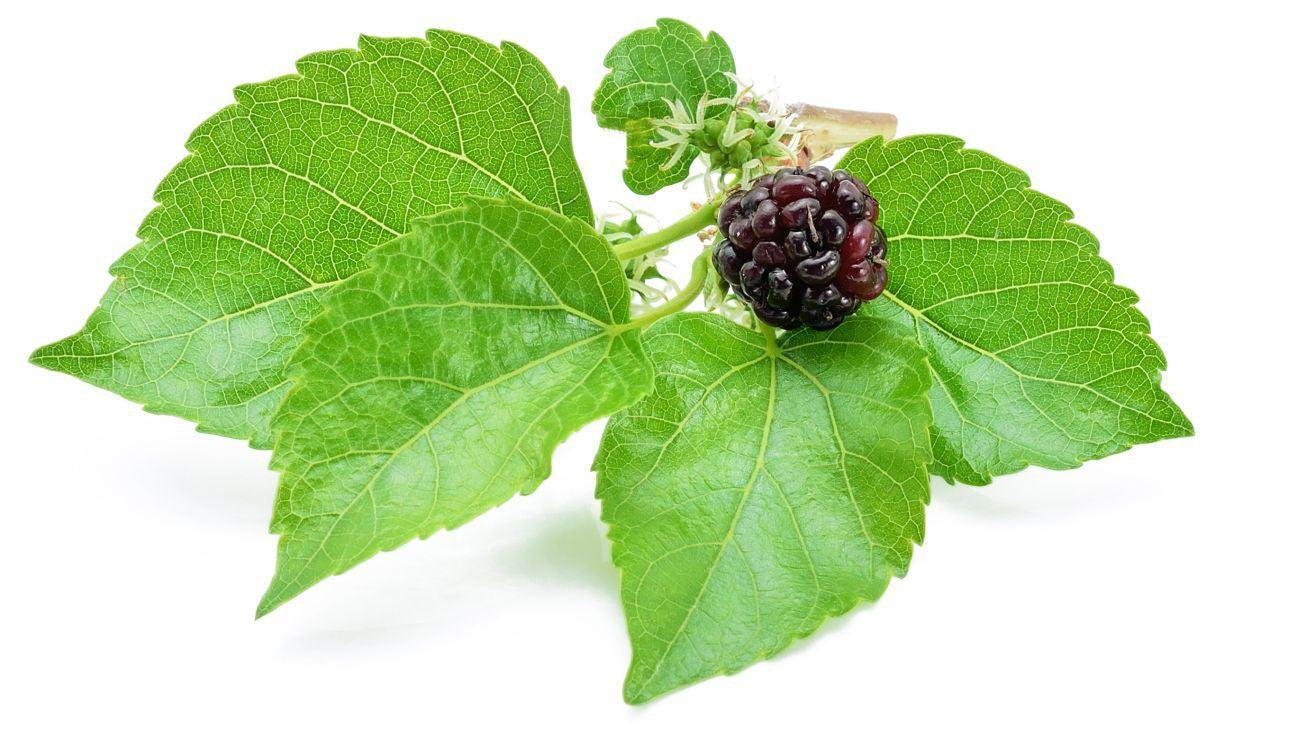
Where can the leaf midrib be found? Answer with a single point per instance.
(920, 316)
(681, 427)
(761, 468)
(759, 465)
(368, 489)
(40, 356)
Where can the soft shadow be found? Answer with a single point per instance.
(217, 480)
(570, 548)
(239, 499)
(334, 640)
(972, 501)
(567, 549)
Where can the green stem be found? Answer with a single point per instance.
(699, 273)
(682, 228)
(769, 334)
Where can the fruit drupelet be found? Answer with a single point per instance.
(802, 247)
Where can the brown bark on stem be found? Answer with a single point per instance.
(827, 129)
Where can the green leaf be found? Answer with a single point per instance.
(670, 61)
(435, 385)
(760, 489)
(283, 195)
(1038, 357)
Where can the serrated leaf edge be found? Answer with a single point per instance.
(1125, 296)
(295, 374)
(43, 356)
(681, 170)
(851, 602)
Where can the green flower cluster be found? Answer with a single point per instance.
(730, 143)
(738, 138)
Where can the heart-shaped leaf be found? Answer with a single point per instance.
(761, 488)
(1038, 357)
(283, 195)
(436, 384)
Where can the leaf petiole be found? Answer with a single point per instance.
(688, 293)
(769, 337)
(682, 228)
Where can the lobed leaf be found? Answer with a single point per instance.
(1037, 356)
(436, 384)
(283, 195)
(670, 61)
(760, 489)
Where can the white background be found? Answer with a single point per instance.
(1152, 591)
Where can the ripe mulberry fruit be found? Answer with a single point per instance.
(802, 247)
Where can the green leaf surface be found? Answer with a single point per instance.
(435, 385)
(670, 61)
(1038, 357)
(760, 489)
(283, 195)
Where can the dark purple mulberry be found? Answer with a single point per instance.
(802, 247)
